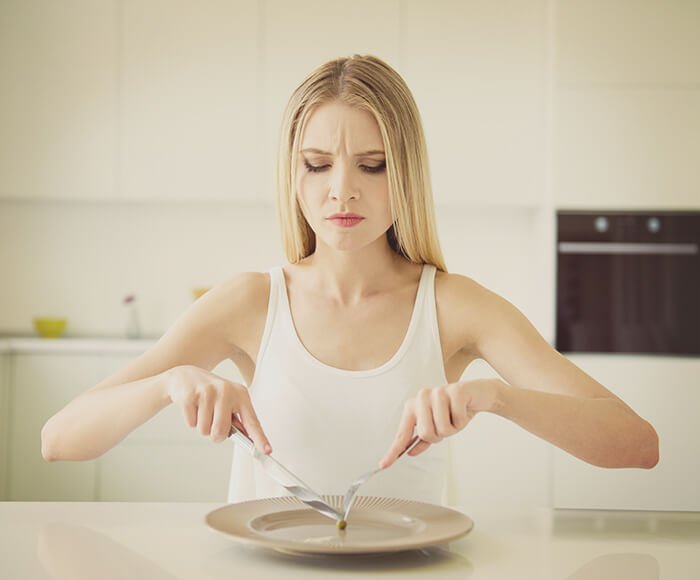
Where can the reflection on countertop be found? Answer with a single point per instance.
(626, 523)
(619, 567)
(170, 541)
(80, 553)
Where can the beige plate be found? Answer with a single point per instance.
(375, 524)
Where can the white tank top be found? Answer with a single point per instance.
(330, 425)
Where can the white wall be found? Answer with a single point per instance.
(80, 260)
(139, 147)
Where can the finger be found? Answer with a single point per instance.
(404, 435)
(205, 412)
(425, 426)
(254, 429)
(441, 413)
(221, 423)
(189, 411)
(458, 409)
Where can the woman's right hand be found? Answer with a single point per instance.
(212, 403)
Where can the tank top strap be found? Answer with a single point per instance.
(427, 335)
(429, 306)
(273, 306)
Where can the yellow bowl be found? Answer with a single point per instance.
(199, 292)
(50, 327)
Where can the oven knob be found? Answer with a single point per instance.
(601, 224)
(653, 224)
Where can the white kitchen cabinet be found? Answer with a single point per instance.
(666, 392)
(496, 463)
(482, 93)
(627, 148)
(58, 71)
(163, 460)
(140, 471)
(189, 100)
(40, 385)
(627, 105)
(299, 36)
(628, 42)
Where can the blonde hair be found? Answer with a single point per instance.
(368, 83)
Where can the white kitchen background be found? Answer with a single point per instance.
(137, 146)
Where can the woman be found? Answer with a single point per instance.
(359, 342)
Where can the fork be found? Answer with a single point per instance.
(350, 495)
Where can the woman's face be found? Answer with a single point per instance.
(342, 179)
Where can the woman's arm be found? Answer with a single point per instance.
(552, 398)
(543, 392)
(176, 369)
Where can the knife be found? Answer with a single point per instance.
(278, 472)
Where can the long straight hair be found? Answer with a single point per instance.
(368, 83)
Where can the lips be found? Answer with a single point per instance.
(345, 220)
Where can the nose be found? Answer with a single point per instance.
(342, 186)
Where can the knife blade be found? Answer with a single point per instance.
(279, 473)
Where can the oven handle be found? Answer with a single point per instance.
(626, 248)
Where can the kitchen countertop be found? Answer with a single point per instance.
(169, 541)
(36, 344)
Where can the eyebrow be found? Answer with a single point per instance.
(321, 152)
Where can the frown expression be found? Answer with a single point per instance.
(342, 179)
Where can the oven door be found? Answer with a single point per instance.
(628, 297)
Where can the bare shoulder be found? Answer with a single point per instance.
(235, 310)
(223, 323)
(455, 300)
(244, 290)
(470, 312)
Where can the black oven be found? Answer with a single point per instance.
(628, 282)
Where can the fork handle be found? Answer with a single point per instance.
(415, 441)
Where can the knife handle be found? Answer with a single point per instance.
(242, 438)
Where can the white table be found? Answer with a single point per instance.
(159, 541)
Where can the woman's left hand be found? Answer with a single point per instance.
(440, 412)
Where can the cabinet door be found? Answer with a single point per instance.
(479, 72)
(496, 463)
(666, 392)
(190, 82)
(58, 71)
(299, 36)
(140, 470)
(41, 385)
(627, 105)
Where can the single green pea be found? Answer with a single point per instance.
(341, 524)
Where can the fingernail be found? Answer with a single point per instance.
(267, 448)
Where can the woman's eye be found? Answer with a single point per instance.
(374, 168)
(314, 168)
(365, 168)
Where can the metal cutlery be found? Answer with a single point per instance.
(284, 477)
(355, 486)
(301, 490)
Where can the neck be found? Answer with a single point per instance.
(350, 276)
